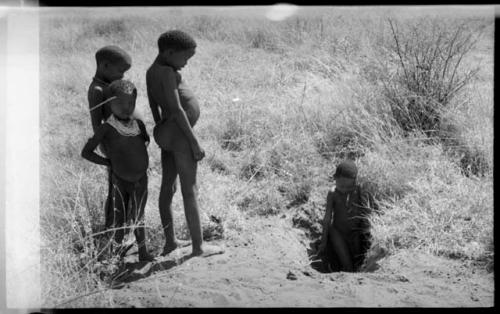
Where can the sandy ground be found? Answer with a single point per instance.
(269, 268)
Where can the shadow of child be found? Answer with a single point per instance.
(133, 269)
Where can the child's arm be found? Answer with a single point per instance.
(327, 220)
(95, 97)
(144, 133)
(154, 108)
(179, 115)
(88, 150)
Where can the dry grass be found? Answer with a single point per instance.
(281, 104)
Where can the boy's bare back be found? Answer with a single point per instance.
(96, 95)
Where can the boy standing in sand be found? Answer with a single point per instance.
(175, 111)
(350, 206)
(112, 63)
(125, 139)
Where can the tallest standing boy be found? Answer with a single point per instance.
(175, 111)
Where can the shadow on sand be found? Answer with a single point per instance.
(133, 269)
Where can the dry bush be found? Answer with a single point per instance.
(427, 58)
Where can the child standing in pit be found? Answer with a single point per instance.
(125, 139)
(175, 111)
(350, 206)
(112, 63)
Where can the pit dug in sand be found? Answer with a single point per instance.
(309, 218)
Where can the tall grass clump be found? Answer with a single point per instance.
(71, 212)
(357, 120)
(434, 207)
(467, 140)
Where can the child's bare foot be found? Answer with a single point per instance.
(167, 249)
(208, 250)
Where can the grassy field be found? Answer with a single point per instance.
(282, 103)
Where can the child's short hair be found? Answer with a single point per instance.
(122, 86)
(346, 169)
(175, 39)
(112, 54)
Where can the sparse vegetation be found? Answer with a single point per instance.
(311, 90)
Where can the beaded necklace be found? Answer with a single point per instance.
(129, 128)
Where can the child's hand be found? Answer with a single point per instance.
(198, 152)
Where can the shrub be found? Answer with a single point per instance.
(427, 57)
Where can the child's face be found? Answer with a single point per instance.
(178, 58)
(114, 71)
(123, 105)
(344, 184)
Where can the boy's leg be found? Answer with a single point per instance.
(167, 191)
(341, 249)
(108, 206)
(187, 168)
(138, 203)
(355, 246)
(120, 202)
